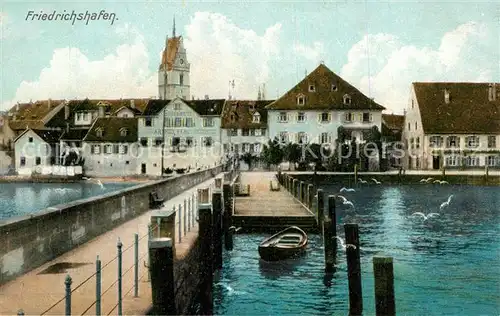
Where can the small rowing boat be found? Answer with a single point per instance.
(288, 243)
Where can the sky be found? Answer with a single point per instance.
(378, 47)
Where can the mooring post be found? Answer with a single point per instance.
(320, 207)
(205, 234)
(166, 224)
(98, 286)
(185, 217)
(310, 196)
(136, 265)
(385, 303)
(356, 174)
(328, 245)
(353, 269)
(332, 214)
(301, 191)
(161, 265)
(228, 216)
(295, 187)
(67, 283)
(217, 227)
(288, 183)
(119, 246)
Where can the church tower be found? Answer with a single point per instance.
(173, 73)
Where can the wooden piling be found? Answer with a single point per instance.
(310, 196)
(217, 228)
(161, 267)
(356, 174)
(332, 214)
(228, 216)
(206, 260)
(294, 187)
(320, 207)
(328, 245)
(353, 269)
(165, 222)
(384, 286)
(302, 189)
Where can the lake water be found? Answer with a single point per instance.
(18, 199)
(447, 265)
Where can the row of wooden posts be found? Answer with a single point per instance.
(215, 231)
(382, 266)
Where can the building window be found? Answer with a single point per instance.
(181, 79)
(436, 141)
(189, 141)
(472, 141)
(208, 122)
(246, 148)
(158, 141)
(324, 138)
(325, 117)
(108, 149)
(177, 122)
(412, 143)
(452, 161)
(418, 143)
(301, 100)
(415, 125)
(302, 138)
(409, 126)
(412, 103)
(334, 87)
(257, 132)
(177, 107)
(245, 132)
(451, 141)
(349, 117)
(257, 148)
(232, 132)
(312, 88)
(284, 137)
(263, 132)
(492, 141)
(123, 149)
(23, 161)
(96, 149)
(99, 132)
(367, 117)
(347, 99)
(144, 141)
(123, 132)
(283, 117)
(148, 121)
(207, 141)
(301, 117)
(38, 161)
(256, 118)
(471, 161)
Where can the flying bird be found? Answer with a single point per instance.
(436, 181)
(347, 190)
(426, 180)
(425, 217)
(235, 229)
(447, 203)
(376, 181)
(343, 245)
(345, 201)
(362, 181)
(443, 182)
(100, 184)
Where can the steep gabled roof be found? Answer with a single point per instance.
(48, 136)
(243, 112)
(154, 106)
(468, 111)
(32, 115)
(324, 97)
(206, 107)
(75, 134)
(393, 121)
(111, 128)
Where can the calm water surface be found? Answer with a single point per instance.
(18, 199)
(448, 265)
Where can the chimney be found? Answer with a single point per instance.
(66, 112)
(101, 110)
(132, 103)
(492, 93)
(446, 96)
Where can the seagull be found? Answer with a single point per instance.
(436, 181)
(426, 217)
(426, 180)
(85, 178)
(345, 201)
(376, 181)
(234, 228)
(342, 243)
(362, 181)
(443, 182)
(347, 190)
(100, 184)
(447, 203)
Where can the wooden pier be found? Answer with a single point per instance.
(265, 210)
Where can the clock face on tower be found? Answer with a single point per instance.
(182, 61)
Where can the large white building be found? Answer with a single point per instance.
(35, 149)
(313, 110)
(455, 125)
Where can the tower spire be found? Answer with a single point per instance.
(173, 31)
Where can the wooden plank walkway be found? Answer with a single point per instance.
(269, 210)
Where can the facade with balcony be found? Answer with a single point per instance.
(453, 125)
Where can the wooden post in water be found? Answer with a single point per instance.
(310, 196)
(161, 266)
(217, 227)
(353, 269)
(328, 245)
(294, 187)
(332, 214)
(227, 219)
(206, 261)
(320, 208)
(385, 304)
(356, 174)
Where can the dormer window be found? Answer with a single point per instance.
(334, 87)
(99, 132)
(301, 100)
(256, 118)
(312, 88)
(347, 99)
(177, 107)
(123, 132)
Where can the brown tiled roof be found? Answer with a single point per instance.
(111, 127)
(168, 55)
(469, 110)
(31, 115)
(242, 112)
(324, 98)
(393, 121)
(49, 136)
(75, 134)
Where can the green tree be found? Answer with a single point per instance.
(248, 158)
(272, 153)
(292, 153)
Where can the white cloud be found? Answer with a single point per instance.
(314, 53)
(71, 74)
(220, 51)
(383, 67)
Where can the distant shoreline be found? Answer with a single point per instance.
(28, 179)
